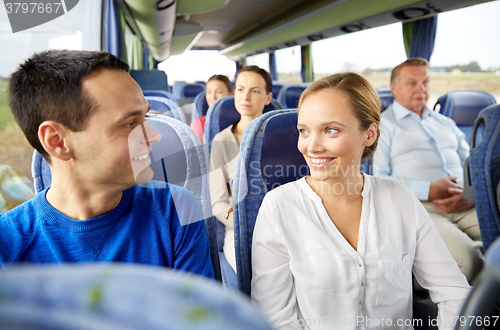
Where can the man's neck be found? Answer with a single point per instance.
(80, 202)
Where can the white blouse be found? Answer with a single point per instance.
(307, 276)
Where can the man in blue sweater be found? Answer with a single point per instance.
(87, 118)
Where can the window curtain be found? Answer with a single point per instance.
(306, 70)
(419, 37)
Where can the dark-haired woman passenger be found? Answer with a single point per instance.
(337, 249)
(217, 87)
(252, 93)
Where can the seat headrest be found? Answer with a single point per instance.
(168, 156)
(281, 162)
(229, 115)
(464, 106)
(191, 90)
(289, 95)
(151, 79)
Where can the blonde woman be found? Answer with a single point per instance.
(336, 249)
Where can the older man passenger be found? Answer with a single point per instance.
(426, 151)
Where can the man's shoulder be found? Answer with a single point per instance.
(21, 214)
(164, 197)
(17, 227)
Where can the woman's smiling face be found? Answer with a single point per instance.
(330, 137)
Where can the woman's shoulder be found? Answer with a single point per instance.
(388, 184)
(285, 193)
(225, 135)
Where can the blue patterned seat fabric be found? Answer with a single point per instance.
(177, 159)
(484, 163)
(386, 97)
(463, 107)
(220, 115)
(200, 106)
(119, 296)
(191, 90)
(289, 95)
(167, 107)
(151, 79)
(277, 86)
(157, 93)
(483, 299)
(177, 88)
(268, 158)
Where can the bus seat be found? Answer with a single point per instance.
(223, 113)
(157, 93)
(119, 296)
(176, 88)
(386, 97)
(289, 96)
(482, 303)
(200, 106)
(190, 90)
(484, 164)
(167, 107)
(277, 86)
(220, 115)
(263, 164)
(463, 107)
(177, 159)
(151, 79)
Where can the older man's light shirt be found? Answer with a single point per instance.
(418, 151)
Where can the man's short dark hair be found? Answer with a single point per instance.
(265, 75)
(48, 86)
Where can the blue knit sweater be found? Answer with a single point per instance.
(144, 228)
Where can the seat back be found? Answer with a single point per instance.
(200, 106)
(268, 158)
(221, 114)
(168, 95)
(277, 86)
(151, 79)
(191, 90)
(289, 96)
(484, 162)
(386, 97)
(484, 297)
(177, 88)
(107, 296)
(176, 159)
(166, 107)
(463, 107)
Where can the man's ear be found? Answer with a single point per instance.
(53, 137)
(393, 87)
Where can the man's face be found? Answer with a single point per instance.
(112, 151)
(412, 87)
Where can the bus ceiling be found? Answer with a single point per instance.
(239, 28)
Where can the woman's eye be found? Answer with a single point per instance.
(330, 130)
(303, 131)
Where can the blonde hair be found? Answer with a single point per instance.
(364, 100)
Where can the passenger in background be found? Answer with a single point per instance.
(338, 248)
(87, 117)
(426, 151)
(217, 87)
(253, 91)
